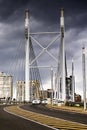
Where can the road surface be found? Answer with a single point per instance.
(71, 116)
(11, 122)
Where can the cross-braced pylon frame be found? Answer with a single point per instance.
(28, 64)
(44, 49)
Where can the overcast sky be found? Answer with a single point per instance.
(44, 16)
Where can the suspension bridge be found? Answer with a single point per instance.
(32, 67)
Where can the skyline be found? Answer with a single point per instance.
(44, 16)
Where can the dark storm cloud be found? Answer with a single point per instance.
(47, 11)
(44, 16)
(8, 8)
(44, 12)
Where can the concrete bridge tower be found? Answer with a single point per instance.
(62, 63)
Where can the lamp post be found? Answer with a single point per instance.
(84, 77)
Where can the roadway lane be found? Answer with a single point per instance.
(71, 116)
(11, 122)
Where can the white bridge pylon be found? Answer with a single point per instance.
(28, 64)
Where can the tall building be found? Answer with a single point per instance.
(34, 90)
(46, 94)
(69, 89)
(6, 85)
(20, 90)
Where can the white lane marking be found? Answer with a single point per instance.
(30, 120)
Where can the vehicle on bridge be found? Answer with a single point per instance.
(36, 101)
(44, 101)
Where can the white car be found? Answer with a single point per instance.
(44, 101)
(55, 101)
(36, 101)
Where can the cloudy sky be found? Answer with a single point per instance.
(44, 16)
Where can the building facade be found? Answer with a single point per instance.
(6, 85)
(69, 88)
(78, 98)
(34, 90)
(20, 90)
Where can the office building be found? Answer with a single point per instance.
(6, 85)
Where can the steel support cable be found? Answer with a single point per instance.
(11, 61)
(59, 70)
(37, 57)
(37, 42)
(23, 60)
(21, 63)
(11, 65)
(36, 70)
(41, 42)
(17, 69)
(44, 49)
(59, 59)
(51, 56)
(18, 62)
(17, 65)
(49, 43)
(32, 55)
(35, 63)
(33, 73)
(52, 41)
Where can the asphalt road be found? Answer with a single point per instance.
(11, 122)
(71, 116)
